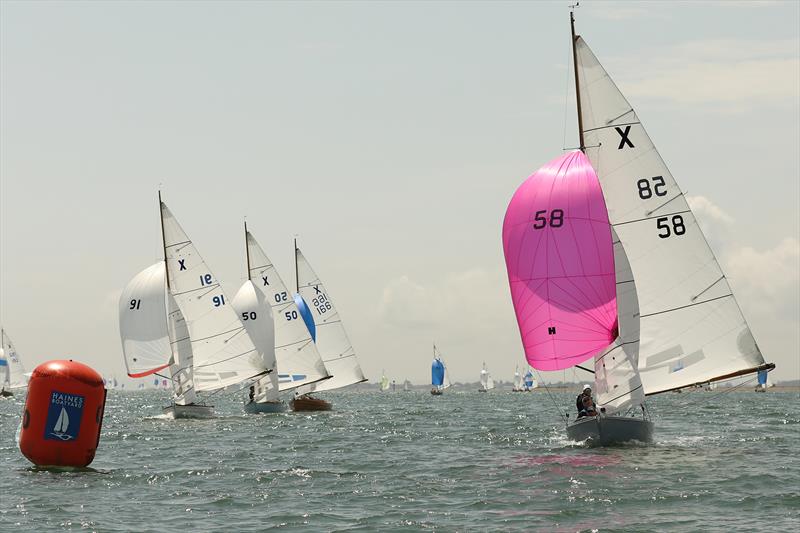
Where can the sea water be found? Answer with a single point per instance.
(389, 461)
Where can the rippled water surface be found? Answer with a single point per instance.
(405, 460)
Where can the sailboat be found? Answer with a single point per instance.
(175, 318)
(529, 383)
(406, 386)
(332, 342)
(762, 381)
(635, 286)
(296, 359)
(692, 329)
(439, 378)
(517, 385)
(12, 373)
(384, 385)
(486, 381)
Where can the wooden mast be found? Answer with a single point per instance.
(246, 249)
(163, 238)
(577, 85)
(296, 278)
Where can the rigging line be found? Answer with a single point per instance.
(254, 379)
(546, 388)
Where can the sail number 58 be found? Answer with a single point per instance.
(556, 219)
(667, 230)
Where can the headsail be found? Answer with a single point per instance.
(297, 358)
(223, 352)
(617, 382)
(143, 322)
(332, 342)
(256, 315)
(692, 330)
(560, 261)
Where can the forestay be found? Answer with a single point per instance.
(223, 352)
(560, 261)
(692, 329)
(616, 373)
(14, 373)
(332, 342)
(297, 358)
(143, 322)
(256, 315)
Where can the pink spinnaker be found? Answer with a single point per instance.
(560, 261)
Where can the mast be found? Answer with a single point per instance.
(246, 249)
(163, 238)
(577, 85)
(296, 279)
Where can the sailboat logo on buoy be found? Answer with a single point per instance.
(62, 426)
(64, 416)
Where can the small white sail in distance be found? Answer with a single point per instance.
(223, 352)
(332, 341)
(297, 359)
(15, 377)
(692, 330)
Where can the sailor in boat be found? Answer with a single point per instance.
(588, 408)
(587, 391)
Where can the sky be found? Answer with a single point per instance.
(389, 137)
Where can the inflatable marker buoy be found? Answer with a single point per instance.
(63, 414)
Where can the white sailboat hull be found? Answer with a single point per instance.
(189, 411)
(265, 407)
(610, 430)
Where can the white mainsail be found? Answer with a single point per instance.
(616, 375)
(487, 382)
(692, 330)
(223, 352)
(143, 322)
(256, 315)
(298, 361)
(332, 342)
(13, 377)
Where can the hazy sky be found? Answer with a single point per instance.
(390, 137)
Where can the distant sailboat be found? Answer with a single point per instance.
(331, 339)
(406, 386)
(439, 378)
(762, 381)
(529, 383)
(174, 315)
(12, 373)
(518, 385)
(384, 386)
(486, 381)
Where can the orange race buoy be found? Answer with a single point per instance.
(63, 414)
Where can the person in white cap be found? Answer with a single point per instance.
(587, 391)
